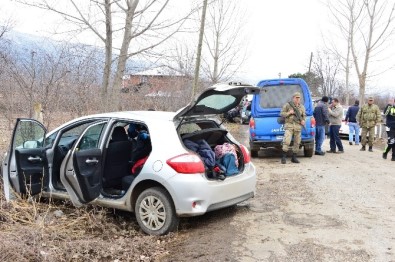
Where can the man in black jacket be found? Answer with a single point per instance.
(353, 126)
(321, 119)
(389, 112)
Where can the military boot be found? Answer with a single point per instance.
(363, 148)
(284, 158)
(294, 159)
(370, 149)
(385, 155)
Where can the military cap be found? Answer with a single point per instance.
(296, 94)
(370, 98)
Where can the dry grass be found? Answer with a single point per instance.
(32, 230)
(49, 230)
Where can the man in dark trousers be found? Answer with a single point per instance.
(353, 126)
(389, 113)
(335, 117)
(321, 120)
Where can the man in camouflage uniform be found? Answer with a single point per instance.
(294, 122)
(368, 117)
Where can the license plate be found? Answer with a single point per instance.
(279, 137)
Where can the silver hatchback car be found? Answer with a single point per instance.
(159, 165)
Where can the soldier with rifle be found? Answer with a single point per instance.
(295, 117)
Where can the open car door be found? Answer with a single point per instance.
(25, 166)
(81, 170)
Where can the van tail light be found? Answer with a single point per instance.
(187, 163)
(312, 123)
(312, 120)
(245, 153)
(252, 123)
(252, 127)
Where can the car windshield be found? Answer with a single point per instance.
(278, 95)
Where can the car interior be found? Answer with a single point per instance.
(117, 173)
(213, 135)
(125, 157)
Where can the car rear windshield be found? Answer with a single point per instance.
(277, 95)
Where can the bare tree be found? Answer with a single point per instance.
(6, 24)
(367, 27)
(199, 48)
(326, 68)
(141, 26)
(55, 78)
(223, 40)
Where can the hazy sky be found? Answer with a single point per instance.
(281, 34)
(284, 34)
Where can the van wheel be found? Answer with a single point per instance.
(155, 212)
(254, 153)
(308, 151)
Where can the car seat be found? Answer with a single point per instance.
(117, 158)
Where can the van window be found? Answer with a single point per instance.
(278, 95)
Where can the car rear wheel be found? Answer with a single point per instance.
(155, 212)
(308, 151)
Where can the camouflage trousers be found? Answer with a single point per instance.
(297, 134)
(365, 132)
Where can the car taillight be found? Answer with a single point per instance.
(188, 163)
(246, 155)
(312, 121)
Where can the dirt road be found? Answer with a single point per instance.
(337, 207)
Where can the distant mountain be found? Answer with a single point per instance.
(25, 44)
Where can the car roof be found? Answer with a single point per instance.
(143, 116)
(138, 115)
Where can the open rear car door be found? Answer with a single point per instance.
(25, 167)
(81, 170)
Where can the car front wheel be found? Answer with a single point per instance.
(155, 212)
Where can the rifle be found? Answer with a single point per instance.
(297, 113)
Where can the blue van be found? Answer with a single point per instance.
(264, 131)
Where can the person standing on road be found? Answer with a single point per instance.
(295, 117)
(389, 113)
(368, 117)
(353, 126)
(321, 120)
(335, 119)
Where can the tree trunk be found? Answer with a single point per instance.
(123, 54)
(108, 57)
(199, 50)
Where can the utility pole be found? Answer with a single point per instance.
(199, 50)
(311, 59)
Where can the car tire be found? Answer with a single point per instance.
(308, 151)
(155, 212)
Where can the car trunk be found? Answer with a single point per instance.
(214, 141)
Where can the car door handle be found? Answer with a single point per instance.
(92, 161)
(34, 159)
